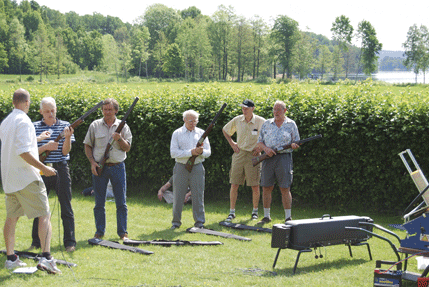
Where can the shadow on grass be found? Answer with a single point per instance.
(314, 268)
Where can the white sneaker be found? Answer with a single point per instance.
(14, 264)
(48, 265)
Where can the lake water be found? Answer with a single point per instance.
(400, 77)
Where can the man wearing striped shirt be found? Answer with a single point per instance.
(58, 158)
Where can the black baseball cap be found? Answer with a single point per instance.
(247, 104)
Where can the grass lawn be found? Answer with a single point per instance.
(235, 263)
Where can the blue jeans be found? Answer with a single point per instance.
(118, 178)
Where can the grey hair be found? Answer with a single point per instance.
(280, 103)
(190, 113)
(47, 100)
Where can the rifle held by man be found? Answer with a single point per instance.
(190, 163)
(44, 155)
(264, 156)
(110, 143)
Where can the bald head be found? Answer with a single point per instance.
(21, 99)
(20, 96)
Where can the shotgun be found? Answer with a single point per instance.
(264, 156)
(44, 155)
(110, 143)
(190, 163)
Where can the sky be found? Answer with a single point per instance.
(390, 19)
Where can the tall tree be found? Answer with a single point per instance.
(125, 59)
(159, 53)
(18, 47)
(304, 55)
(370, 47)
(173, 61)
(259, 30)
(338, 61)
(139, 47)
(3, 58)
(220, 36)
(286, 34)
(416, 49)
(342, 32)
(110, 55)
(243, 45)
(324, 61)
(42, 53)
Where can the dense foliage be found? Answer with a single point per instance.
(355, 163)
(164, 42)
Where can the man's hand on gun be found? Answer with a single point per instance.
(68, 131)
(198, 150)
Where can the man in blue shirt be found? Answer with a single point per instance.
(58, 158)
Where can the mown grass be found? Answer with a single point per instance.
(235, 263)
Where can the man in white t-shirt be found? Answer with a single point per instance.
(22, 183)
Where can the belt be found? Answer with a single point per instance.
(112, 164)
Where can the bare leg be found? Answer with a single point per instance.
(266, 195)
(255, 196)
(9, 234)
(45, 232)
(233, 194)
(286, 197)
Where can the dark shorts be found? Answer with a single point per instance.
(278, 167)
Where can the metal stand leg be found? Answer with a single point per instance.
(297, 258)
(277, 256)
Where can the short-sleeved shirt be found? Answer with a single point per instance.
(17, 136)
(56, 129)
(275, 137)
(247, 132)
(98, 136)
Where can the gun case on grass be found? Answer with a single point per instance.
(304, 234)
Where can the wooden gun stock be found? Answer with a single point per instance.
(110, 143)
(264, 156)
(190, 163)
(74, 125)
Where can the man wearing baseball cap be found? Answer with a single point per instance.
(247, 126)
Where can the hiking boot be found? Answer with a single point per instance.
(174, 227)
(230, 217)
(288, 219)
(265, 220)
(14, 264)
(48, 265)
(254, 216)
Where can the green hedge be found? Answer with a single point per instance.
(354, 165)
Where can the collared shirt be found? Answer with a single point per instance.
(98, 136)
(275, 137)
(247, 132)
(56, 129)
(17, 136)
(183, 141)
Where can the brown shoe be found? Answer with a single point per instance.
(124, 237)
(70, 248)
(98, 236)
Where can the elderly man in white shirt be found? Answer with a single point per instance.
(22, 183)
(182, 147)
